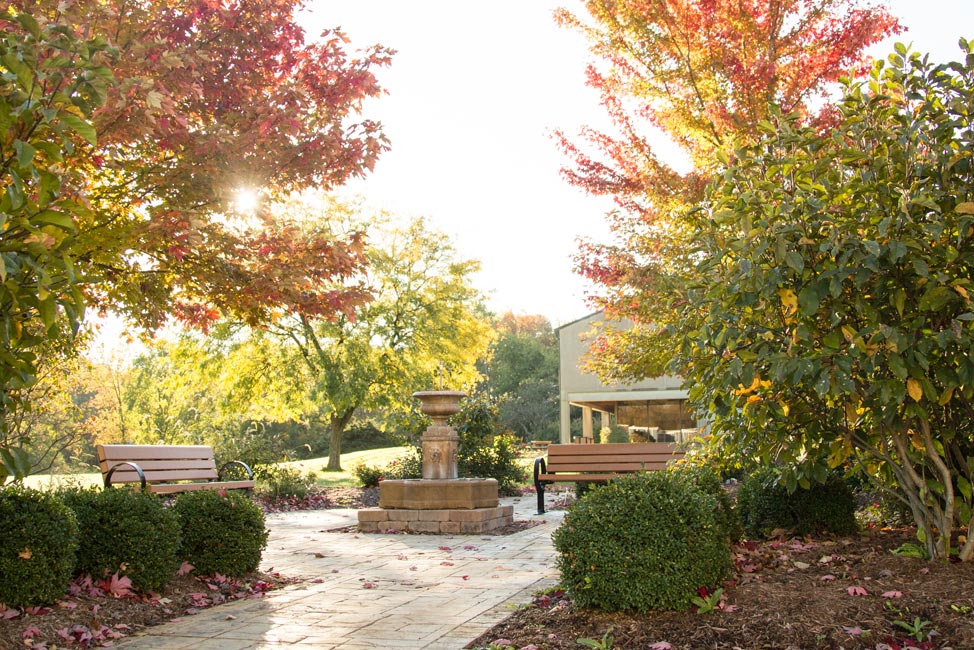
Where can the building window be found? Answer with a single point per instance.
(664, 420)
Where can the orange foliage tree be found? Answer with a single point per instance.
(702, 73)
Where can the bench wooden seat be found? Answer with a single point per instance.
(168, 469)
(601, 462)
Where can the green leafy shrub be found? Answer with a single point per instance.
(407, 466)
(368, 475)
(38, 542)
(128, 532)
(283, 482)
(222, 532)
(485, 451)
(585, 487)
(708, 480)
(613, 434)
(643, 542)
(765, 505)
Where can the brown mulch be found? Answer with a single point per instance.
(790, 594)
(89, 615)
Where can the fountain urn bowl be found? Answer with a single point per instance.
(440, 442)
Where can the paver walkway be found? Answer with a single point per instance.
(435, 592)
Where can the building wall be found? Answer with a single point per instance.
(586, 390)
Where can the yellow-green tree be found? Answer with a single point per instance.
(422, 329)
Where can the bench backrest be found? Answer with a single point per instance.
(611, 457)
(160, 463)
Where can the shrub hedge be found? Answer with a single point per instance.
(38, 542)
(643, 542)
(221, 532)
(765, 506)
(128, 532)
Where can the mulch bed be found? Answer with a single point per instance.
(92, 615)
(790, 594)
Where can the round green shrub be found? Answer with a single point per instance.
(222, 532)
(368, 475)
(128, 532)
(38, 541)
(643, 542)
(765, 505)
(708, 480)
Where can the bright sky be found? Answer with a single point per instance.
(475, 91)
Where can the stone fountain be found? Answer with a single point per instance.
(440, 502)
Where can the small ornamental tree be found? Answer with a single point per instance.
(832, 322)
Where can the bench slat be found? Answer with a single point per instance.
(568, 478)
(151, 465)
(154, 452)
(125, 474)
(626, 466)
(609, 449)
(167, 488)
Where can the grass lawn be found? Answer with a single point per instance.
(344, 478)
(376, 457)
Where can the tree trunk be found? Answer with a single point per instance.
(337, 422)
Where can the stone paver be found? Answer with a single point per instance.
(409, 592)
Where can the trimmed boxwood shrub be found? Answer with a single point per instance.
(38, 540)
(222, 532)
(765, 505)
(708, 480)
(126, 531)
(643, 542)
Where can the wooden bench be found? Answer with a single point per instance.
(168, 469)
(601, 462)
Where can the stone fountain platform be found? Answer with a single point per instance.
(444, 506)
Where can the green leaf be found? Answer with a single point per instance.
(29, 23)
(55, 218)
(79, 126)
(795, 261)
(25, 152)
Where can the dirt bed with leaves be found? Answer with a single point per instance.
(788, 594)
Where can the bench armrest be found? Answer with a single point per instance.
(540, 467)
(135, 466)
(238, 463)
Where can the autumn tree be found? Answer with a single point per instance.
(700, 73)
(835, 284)
(211, 99)
(128, 131)
(422, 329)
(522, 375)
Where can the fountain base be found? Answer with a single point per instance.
(446, 506)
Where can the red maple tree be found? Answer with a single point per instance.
(703, 74)
(210, 97)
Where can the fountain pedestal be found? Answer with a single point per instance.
(440, 502)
